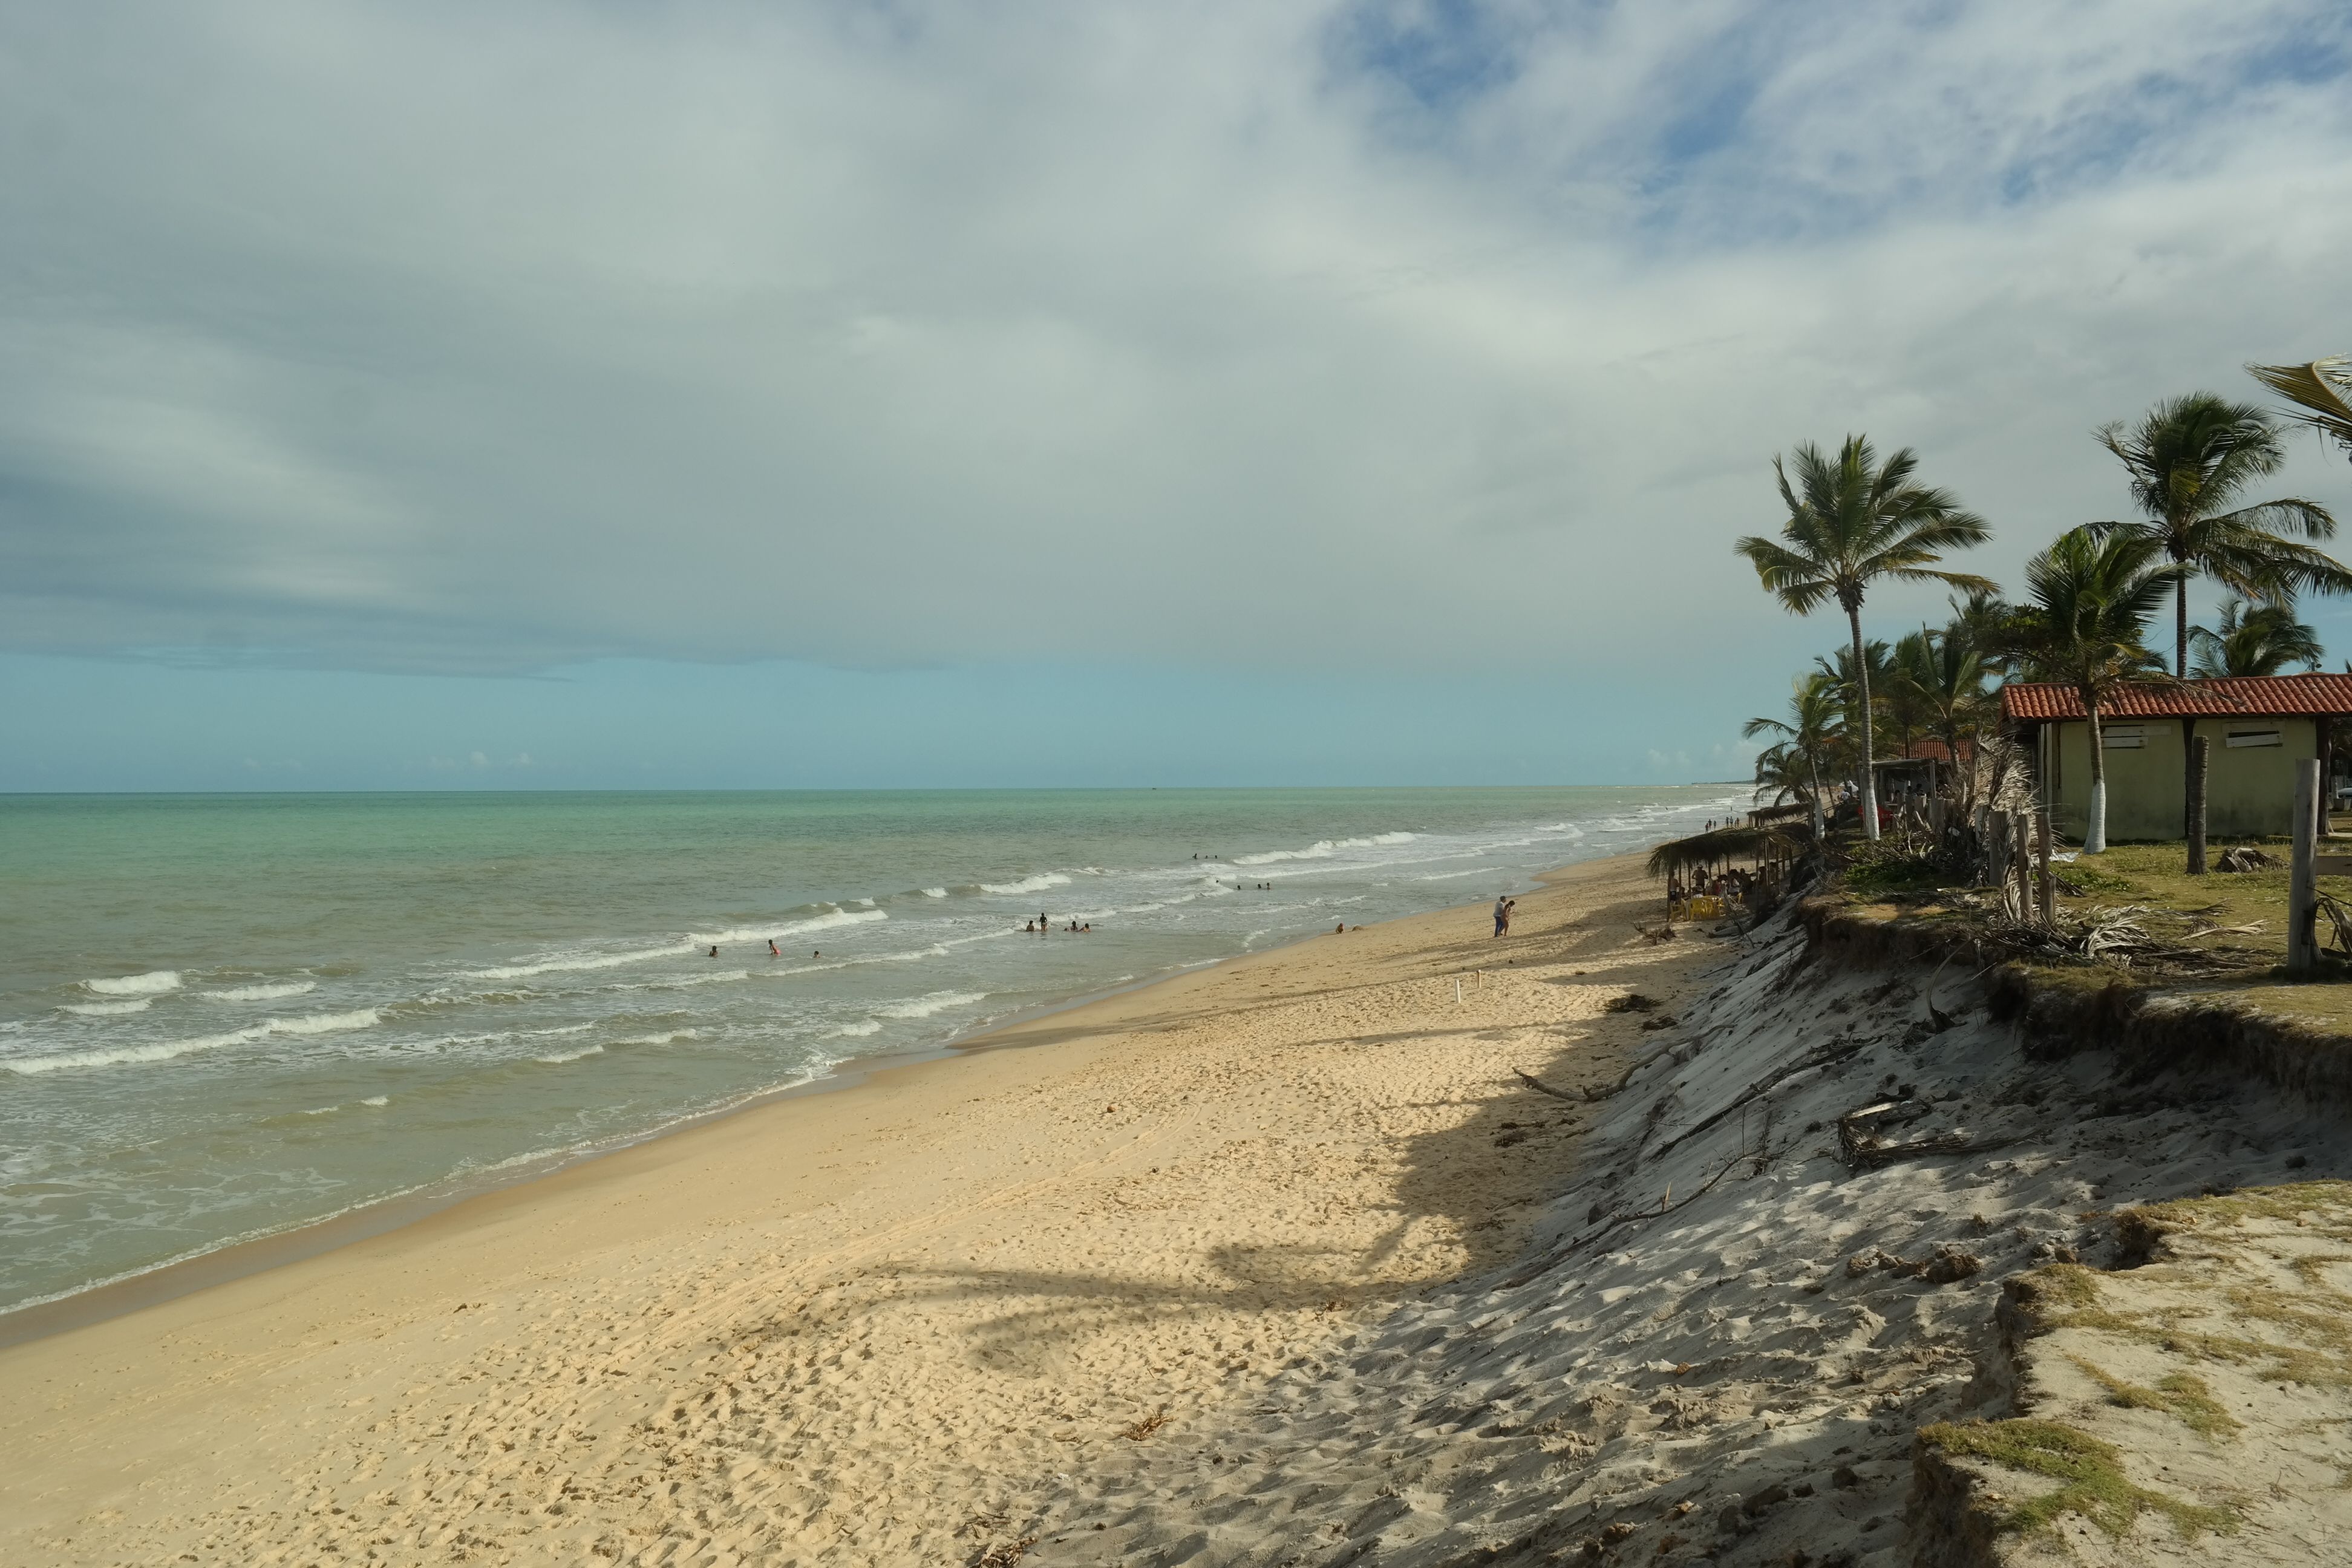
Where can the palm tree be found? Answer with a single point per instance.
(1907, 709)
(1944, 676)
(2255, 640)
(1877, 672)
(1850, 522)
(2189, 460)
(2086, 624)
(1809, 738)
(2321, 389)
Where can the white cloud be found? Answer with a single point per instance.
(435, 336)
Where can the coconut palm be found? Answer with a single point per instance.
(2255, 640)
(1852, 521)
(1809, 737)
(2191, 461)
(1943, 676)
(2321, 389)
(2084, 623)
(1906, 712)
(1979, 625)
(1877, 671)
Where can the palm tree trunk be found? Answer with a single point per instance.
(2180, 629)
(1862, 702)
(2095, 837)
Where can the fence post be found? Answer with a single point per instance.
(2201, 757)
(2301, 907)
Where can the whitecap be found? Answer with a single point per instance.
(561, 1057)
(859, 1031)
(935, 892)
(109, 1009)
(377, 1099)
(148, 984)
(263, 992)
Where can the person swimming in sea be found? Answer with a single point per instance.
(773, 952)
(714, 953)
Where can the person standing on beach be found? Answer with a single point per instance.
(1502, 915)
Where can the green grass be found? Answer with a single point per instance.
(2096, 1486)
(2181, 1395)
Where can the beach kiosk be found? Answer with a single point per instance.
(2258, 728)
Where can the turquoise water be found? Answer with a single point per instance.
(223, 1016)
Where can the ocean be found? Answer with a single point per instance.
(225, 1016)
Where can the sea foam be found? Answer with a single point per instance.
(109, 1009)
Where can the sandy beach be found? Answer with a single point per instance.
(849, 1328)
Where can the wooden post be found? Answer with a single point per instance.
(2200, 760)
(2049, 875)
(2021, 856)
(2302, 952)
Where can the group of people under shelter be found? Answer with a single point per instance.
(1709, 897)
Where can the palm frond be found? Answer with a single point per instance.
(2321, 390)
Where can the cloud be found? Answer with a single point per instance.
(431, 337)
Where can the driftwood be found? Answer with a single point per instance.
(1584, 1096)
(1594, 1096)
(1865, 1151)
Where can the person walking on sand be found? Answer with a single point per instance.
(1502, 915)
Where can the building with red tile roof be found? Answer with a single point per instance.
(2258, 727)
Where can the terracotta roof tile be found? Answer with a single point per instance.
(2234, 697)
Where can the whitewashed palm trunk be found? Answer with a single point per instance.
(2095, 837)
(1862, 694)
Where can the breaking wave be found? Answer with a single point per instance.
(1324, 849)
(926, 1006)
(790, 928)
(1036, 884)
(263, 992)
(152, 982)
(165, 1050)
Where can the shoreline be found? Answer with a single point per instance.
(241, 1258)
(898, 1302)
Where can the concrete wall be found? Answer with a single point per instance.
(2250, 790)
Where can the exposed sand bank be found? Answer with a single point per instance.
(1724, 1339)
(870, 1326)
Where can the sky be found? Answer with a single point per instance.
(719, 393)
